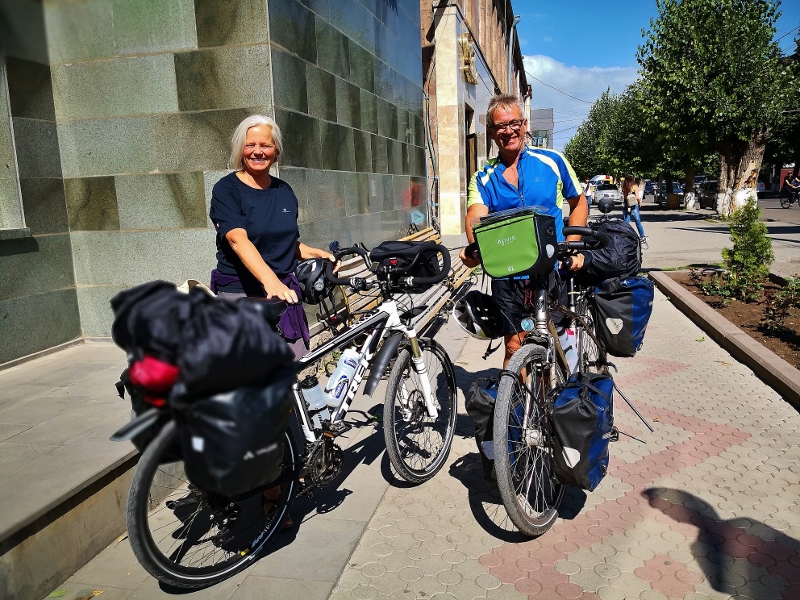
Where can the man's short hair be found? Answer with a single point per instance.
(503, 101)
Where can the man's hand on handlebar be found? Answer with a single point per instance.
(469, 257)
(575, 263)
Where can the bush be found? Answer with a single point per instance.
(778, 306)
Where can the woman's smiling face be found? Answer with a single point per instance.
(259, 152)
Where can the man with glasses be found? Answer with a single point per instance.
(518, 176)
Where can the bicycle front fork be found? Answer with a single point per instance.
(418, 364)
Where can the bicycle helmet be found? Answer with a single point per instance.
(478, 314)
(310, 274)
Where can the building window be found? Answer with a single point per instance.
(11, 216)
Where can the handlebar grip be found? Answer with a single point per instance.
(332, 278)
(599, 238)
(473, 250)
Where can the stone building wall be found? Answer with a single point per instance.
(130, 110)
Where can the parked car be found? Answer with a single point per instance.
(760, 189)
(607, 190)
(707, 197)
(698, 181)
(650, 187)
(661, 197)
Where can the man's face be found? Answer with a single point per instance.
(508, 129)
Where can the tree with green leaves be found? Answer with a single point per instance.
(715, 82)
(583, 150)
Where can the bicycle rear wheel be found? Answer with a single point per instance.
(786, 199)
(417, 444)
(523, 443)
(189, 539)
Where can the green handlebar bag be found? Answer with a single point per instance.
(520, 241)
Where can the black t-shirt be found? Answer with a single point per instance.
(270, 219)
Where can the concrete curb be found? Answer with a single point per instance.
(768, 366)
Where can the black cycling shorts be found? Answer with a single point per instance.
(509, 294)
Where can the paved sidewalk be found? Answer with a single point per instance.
(708, 508)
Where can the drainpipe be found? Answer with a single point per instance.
(511, 51)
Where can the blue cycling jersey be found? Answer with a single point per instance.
(545, 179)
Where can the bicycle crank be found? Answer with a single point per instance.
(324, 464)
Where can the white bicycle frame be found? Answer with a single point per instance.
(385, 320)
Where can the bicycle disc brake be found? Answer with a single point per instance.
(324, 464)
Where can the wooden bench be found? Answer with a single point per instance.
(354, 303)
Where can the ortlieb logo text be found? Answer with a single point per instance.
(508, 240)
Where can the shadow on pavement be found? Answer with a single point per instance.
(719, 541)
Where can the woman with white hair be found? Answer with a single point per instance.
(258, 241)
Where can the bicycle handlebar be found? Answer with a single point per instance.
(361, 284)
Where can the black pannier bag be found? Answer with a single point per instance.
(424, 257)
(226, 345)
(233, 442)
(622, 310)
(479, 402)
(622, 257)
(583, 420)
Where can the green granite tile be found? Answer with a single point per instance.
(351, 18)
(379, 40)
(161, 201)
(44, 204)
(37, 148)
(8, 163)
(10, 212)
(223, 78)
(195, 141)
(418, 162)
(387, 118)
(361, 67)
(356, 193)
(326, 196)
(321, 7)
(348, 104)
(382, 78)
(38, 322)
(153, 25)
(127, 258)
(322, 97)
(112, 88)
(369, 111)
(229, 22)
(35, 265)
(91, 203)
(395, 156)
(363, 148)
(338, 152)
(418, 126)
(107, 147)
(292, 26)
(375, 193)
(289, 81)
(30, 91)
(298, 179)
(94, 305)
(332, 49)
(301, 140)
(79, 30)
(198, 254)
(380, 160)
(24, 32)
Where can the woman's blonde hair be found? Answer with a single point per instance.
(240, 135)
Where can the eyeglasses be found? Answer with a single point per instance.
(514, 125)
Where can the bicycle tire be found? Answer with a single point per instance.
(165, 515)
(417, 445)
(591, 358)
(786, 199)
(528, 488)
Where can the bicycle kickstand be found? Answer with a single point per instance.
(633, 408)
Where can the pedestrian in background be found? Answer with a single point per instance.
(632, 203)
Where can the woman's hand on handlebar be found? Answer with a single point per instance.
(276, 290)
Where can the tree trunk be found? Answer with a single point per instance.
(688, 189)
(739, 164)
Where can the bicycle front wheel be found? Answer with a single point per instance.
(523, 443)
(417, 444)
(189, 539)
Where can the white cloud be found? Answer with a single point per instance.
(547, 39)
(586, 83)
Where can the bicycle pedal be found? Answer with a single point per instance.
(333, 430)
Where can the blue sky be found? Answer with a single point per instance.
(583, 47)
